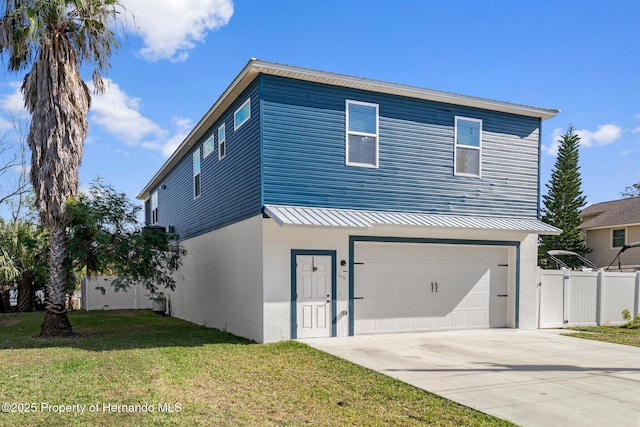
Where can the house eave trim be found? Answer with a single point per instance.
(603, 227)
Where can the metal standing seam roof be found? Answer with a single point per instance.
(309, 216)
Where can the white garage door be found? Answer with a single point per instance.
(418, 287)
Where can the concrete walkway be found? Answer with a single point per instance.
(532, 378)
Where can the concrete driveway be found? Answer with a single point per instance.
(533, 378)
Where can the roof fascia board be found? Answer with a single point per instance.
(603, 227)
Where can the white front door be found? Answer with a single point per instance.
(313, 296)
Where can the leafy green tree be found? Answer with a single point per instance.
(55, 38)
(631, 191)
(564, 201)
(107, 238)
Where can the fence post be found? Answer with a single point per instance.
(566, 296)
(636, 300)
(600, 298)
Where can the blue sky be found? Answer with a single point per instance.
(578, 56)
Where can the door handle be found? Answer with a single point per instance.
(358, 297)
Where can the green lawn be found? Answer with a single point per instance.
(180, 374)
(614, 334)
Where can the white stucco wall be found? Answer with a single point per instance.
(238, 278)
(220, 282)
(529, 280)
(280, 240)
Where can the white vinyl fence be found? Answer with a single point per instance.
(586, 298)
(93, 297)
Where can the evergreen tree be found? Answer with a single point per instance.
(563, 202)
(631, 191)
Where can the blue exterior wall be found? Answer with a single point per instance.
(230, 187)
(292, 152)
(303, 137)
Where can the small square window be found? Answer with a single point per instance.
(222, 142)
(468, 147)
(242, 114)
(197, 188)
(619, 238)
(362, 134)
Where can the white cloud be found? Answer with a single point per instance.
(168, 145)
(636, 130)
(12, 103)
(606, 134)
(552, 149)
(171, 28)
(114, 112)
(184, 127)
(117, 113)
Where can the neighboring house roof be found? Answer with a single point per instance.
(615, 213)
(296, 215)
(255, 67)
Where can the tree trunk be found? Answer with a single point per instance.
(25, 294)
(56, 323)
(4, 299)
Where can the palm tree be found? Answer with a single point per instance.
(55, 38)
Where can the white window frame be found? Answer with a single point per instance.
(208, 144)
(153, 202)
(626, 233)
(222, 152)
(197, 175)
(455, 148)
(237, 125)
(376, 135)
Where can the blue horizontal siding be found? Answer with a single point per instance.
(230, 187)
(304, 155)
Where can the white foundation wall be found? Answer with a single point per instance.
(529, 281)
(220, 282)
(279, 241)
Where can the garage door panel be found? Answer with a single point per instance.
(398, 306)
(395, 282)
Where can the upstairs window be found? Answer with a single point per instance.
(618, 238)
(222, 142)
(154, 207)
(208, 146)
(468, 150)
(242, 114)
(362, 134)
(196, 174)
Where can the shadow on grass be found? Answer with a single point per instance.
(111, 330)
